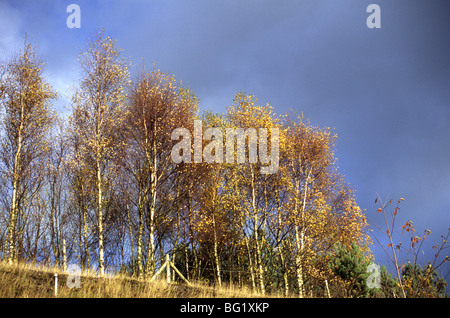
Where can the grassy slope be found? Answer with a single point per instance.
(21, 280)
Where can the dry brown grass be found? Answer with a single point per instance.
(29, 281)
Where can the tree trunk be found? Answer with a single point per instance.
(298, 260)
(141, 208)
(130, 230)
(64, 257)
(280, 247)
(250, 262)
(300, 232)
(191, 238)
(186, 259)
(101, 259)
(150, 268)
(285, 273)
(14, 201)
(255, 230)
(53, 225)
(85, 234)
(151, 158)
(216, 254)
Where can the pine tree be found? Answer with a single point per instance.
(388, 285)
(351, 265)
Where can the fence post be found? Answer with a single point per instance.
(168, 264)
(56, 284)
(328, 290)
(159, 271)
(179, 273)
(168, 268)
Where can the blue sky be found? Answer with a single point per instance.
(385, 92)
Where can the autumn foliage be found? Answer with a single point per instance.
(100, 190)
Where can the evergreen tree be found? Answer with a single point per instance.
(389, 287)
(422, 282)
(351, 265)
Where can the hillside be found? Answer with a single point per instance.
(26, 281)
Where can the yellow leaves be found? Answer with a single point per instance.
(307, 193)
(25, 99)
(244, 114)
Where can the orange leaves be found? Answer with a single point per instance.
(408, 226)
(415, 240)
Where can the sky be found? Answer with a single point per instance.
(384, 91)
